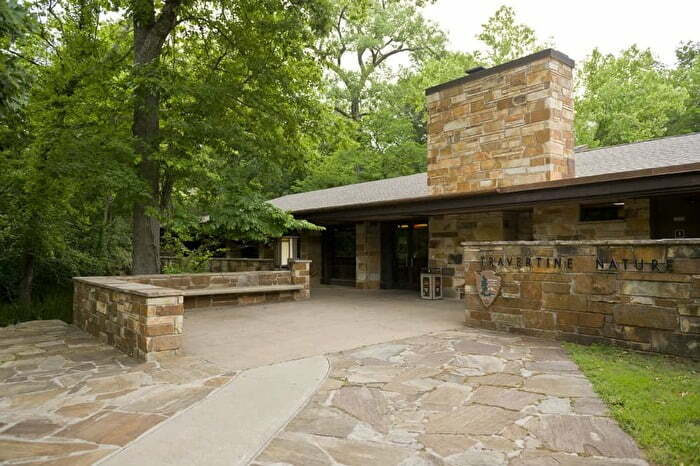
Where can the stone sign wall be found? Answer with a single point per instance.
(643, 294)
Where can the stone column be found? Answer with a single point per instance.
(368, 255)
(300, 270)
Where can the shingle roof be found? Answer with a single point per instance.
(664, 152)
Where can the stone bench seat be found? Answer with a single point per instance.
(241, 290)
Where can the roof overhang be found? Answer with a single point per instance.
(637, 183)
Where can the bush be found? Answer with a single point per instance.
(56, 305)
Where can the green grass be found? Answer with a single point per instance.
(655, 398)
(57, 305)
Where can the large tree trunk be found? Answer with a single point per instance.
(149, 35)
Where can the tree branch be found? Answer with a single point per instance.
(342, 112)
(19, 55)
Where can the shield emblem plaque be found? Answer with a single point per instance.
(488, 285)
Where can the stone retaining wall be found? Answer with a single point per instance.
(227, 264)
(141, 320)
(142, 315)
(643, 294)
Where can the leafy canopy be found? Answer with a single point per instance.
(626, 98)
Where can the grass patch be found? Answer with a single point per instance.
(655, 398)
(57, 305)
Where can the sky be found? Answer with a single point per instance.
(577, 27)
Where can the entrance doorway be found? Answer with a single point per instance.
(404, 254)
(338, 244)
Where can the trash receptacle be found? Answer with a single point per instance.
(431, 284)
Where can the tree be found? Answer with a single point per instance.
(687, 76)
(507, 40)
(623, 99)
(60, 175)
(15, 23)
(393, 138)
(365, 35)
(371, 135)
(222, 26)
(236, 97)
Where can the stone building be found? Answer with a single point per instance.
(501, 166)
(536, 235)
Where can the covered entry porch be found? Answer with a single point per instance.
(389, 254)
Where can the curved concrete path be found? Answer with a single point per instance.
(234, 424)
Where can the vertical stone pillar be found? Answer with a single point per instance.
(160, 326)
(300, 270)
(368, 255)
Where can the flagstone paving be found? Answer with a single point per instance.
(463, 397)
(66, 398)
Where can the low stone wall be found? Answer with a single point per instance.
(643, 294)
(139, 319)
(226, 264)
(142, 315)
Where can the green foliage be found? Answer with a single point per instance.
(365, 36)
(655, 398)
(505, 39)
(15, 23)
(626, 98)
(238, 88)
(57, 305)
(687, 76)
(186, 260)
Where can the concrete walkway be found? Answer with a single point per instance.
(231, 426)
(334, 319)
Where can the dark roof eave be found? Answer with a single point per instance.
(623, 183)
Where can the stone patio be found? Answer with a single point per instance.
(463, 397)
(404, 388)
(67, 399)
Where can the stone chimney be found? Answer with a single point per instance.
(503, 126)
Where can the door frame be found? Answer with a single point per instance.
(390, 277)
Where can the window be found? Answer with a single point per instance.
(603, 212)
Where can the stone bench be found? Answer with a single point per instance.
(142, 315)
(241, 290)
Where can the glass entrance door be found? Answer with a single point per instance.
(410, 254)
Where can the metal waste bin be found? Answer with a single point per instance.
(431, 284)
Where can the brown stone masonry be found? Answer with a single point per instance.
(561, 221)
(508, 125)
(142, 315)
(141, 320)
(368, 253)
(643, 294)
